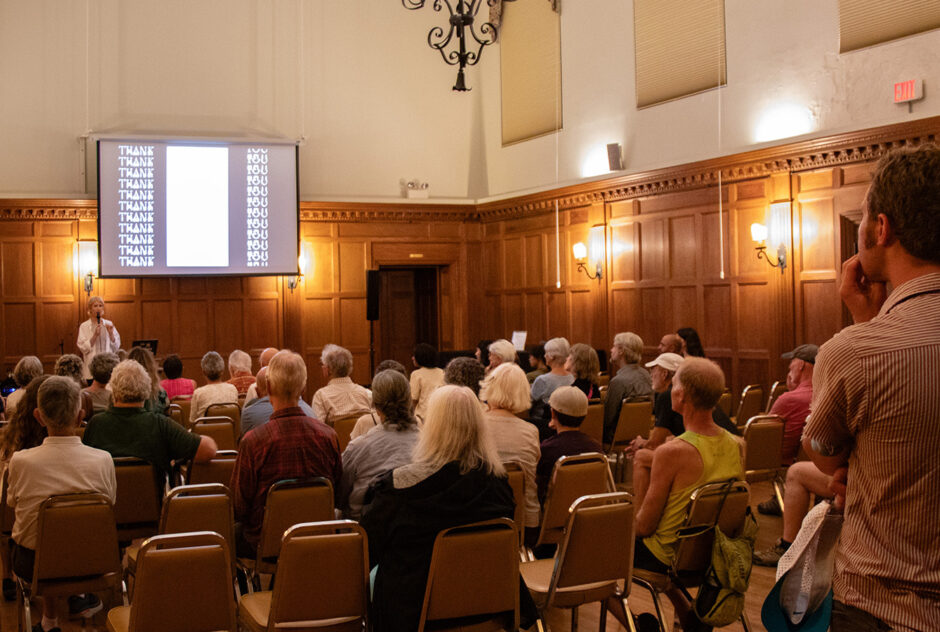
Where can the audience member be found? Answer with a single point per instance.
(101, 367)
(456, 478)
(482, 352)
(258, 411)
(266, 354)
(670, 343)
(498, 352)
(584, 365)
(803, 479)
(426, 377)
(341, 397)
(465, 371)
(70, 365)
(158, 402)
(175, 384)
(370, 420)
(96, 335)
(631, 382)
(569, 406)
(667, 420)
(536, 362)
(388, 446)
(665, 479)
(215, 391)
(506, 392)
(873, 424)
(239, 368)
(26, 370)
(556, 354)
(691, 343)
(793, 406)
(60, 465)
(290, 445)
(129, 429)
(22, 432)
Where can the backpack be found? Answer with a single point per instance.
(720, 599)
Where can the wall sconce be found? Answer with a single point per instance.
(294, 280)
(759, 235)
(580, 252)
(88, 264)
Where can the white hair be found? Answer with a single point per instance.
(239, 362)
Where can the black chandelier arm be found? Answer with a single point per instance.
(412, 4)
(583, 268)
(762, 254)
(438, 41)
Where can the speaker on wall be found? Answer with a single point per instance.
(372, 294)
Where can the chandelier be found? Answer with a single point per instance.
(462, 43)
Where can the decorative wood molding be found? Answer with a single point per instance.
(839, 149)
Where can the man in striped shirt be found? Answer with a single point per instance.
(875, 417)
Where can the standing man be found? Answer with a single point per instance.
(96, 335)
(876, 405)
(630, 382)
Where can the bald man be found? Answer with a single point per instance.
(266, 354)
(670, 343)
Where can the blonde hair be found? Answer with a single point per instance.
(130, 382)
(287, 375)
(702, 380)
(504, 349)
(506, 387)
(630, 345)
(454, 430)
(92, 300)
(585, 363)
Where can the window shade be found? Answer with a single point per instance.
(530, 69)
(866, 22)
(680, 48)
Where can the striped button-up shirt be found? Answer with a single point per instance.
(877, 390)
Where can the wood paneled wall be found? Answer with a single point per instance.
(499, 265)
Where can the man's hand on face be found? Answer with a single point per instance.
(861, 296)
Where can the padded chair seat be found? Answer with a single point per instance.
(254, 608)
(659, 581)
(119, 619)
(538, 578)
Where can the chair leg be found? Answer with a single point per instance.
(744, 622)
(574, 619)
(631, 622)
(655, 594)
(778, 490)
(24, 617)
(602, 619)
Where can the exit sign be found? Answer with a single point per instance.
(911, 90)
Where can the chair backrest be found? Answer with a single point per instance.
(696, 536)
(636, 418)
(327, 559)
(175, 412)
(572, 477)
(221, 429)
(217, 470)
(183, 582)
(752, 397)
(474, 571)
(516, 478)
(344, 427)
(725, 402)
(77, 538)
(231, 410)
(207, 507)
(6, 512)
(185, 404)
(763, 443)
(139, 496)
(291, 502)
(597, 547)
(778, 389)
(593, 424)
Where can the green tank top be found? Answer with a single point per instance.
(721, 460)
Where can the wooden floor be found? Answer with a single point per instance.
(762, 580)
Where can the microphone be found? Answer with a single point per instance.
(99, 318)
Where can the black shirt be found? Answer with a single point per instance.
(669, 419)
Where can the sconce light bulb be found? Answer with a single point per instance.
(758, 232)
(580, 251)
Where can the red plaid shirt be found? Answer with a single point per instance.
(290, 445)
(242, 380)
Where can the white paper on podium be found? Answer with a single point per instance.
(518, 340)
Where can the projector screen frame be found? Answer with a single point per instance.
(198, 141)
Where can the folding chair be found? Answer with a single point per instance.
(231, 410)
(763, 452)
(221, 429)
(474, 572)
(572, 477)
(289, 502)
(139, 496)
(344, 427)
(76, 551)
(184, 583)
(216, 470)
(636, 418)
(185, 404)
(725, 401)
(778, 389)
(723, 503)
(327, 559)
(175, 412)
(595, 554)
(593, 424)
(517, 483)
(752, 397)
